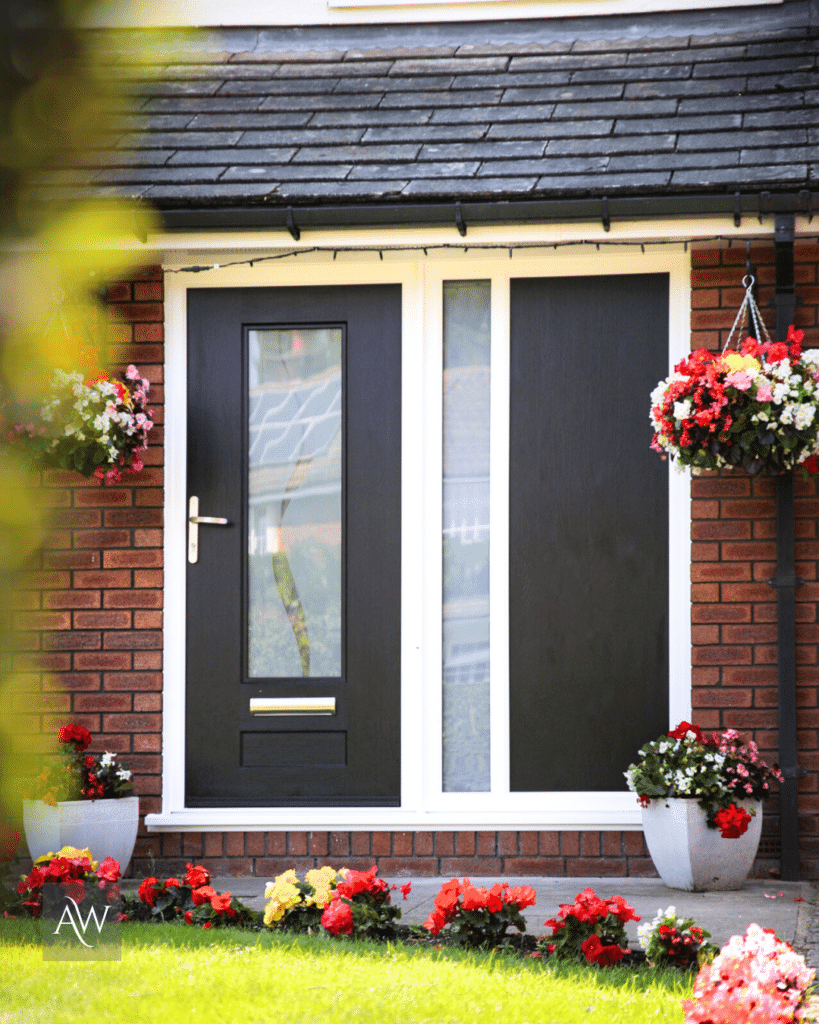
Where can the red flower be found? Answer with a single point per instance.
(204, 894)
(338, 918)
(149, 890)
(196, 875)
(173, 882)
(109, 870)
(188, 917)
(683, 728)
(436, 922)
(208, 924)
(644, 801)
(604, 956)
(521, 895)
(221, 904)
(76, 734)
(732, 821)
(406, 889)
(74, 888)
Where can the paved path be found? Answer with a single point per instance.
(787, 907)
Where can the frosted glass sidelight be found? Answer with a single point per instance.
(466, 536)
(294, 495)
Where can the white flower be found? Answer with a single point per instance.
(682, 410)
(804, 416)
(124, 774)
(107, 759)
(788, 413)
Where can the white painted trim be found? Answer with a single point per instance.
(132, 14)
(423, 803)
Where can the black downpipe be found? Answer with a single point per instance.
(786, 582)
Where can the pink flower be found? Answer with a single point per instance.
(739, 379)
(132, 373)
(764, 392)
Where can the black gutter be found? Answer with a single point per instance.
(786, 581)
(394, 213)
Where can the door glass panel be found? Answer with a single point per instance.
(466, 537)
(294, 494)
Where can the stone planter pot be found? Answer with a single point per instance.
(689, 855)
(107, 828)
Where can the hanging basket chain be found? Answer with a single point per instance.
(754, 316)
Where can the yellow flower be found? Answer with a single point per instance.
(736, 362)
(322, 880)
(282, 895)
(70, 853)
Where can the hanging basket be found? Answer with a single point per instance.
(755, 408)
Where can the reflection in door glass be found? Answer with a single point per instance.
(294, 514)
(466, 537)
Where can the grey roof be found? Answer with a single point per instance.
(249, 118)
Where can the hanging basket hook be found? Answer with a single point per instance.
(754, 316)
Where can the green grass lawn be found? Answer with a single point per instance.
(177, 973)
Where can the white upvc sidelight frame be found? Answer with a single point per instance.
(423, 804)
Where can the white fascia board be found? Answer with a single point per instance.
(136, 14)
(190, 244)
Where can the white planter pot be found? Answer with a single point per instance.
(107, 828)
(689, 855)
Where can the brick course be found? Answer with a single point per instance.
(90, 613)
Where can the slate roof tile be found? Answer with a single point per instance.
(254, 119)
(391, 113)
(767, 101)
(353, 153)
(469, 186)
(236, 155)
(176, 140)
(461, 98)
(450, 66)
(548, 62)
(660, 145)
(482, 150)
(711, 141)
(286, 172)
(743, 176)
(429, 169)
(628, 74)
(304, 137)
(165, 175)
(427, 133)
(703, 87)
(545, 129)
(565, 94)
(397, 121)
(681, 125)
(600, 184)
(548, 165)
(498, 114)
(340, 190)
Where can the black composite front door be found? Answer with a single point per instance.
(293, 604)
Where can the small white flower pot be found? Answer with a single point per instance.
(108, 828)
(689, 855)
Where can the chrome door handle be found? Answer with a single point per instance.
(194, 521)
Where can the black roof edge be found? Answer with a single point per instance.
(506, 211)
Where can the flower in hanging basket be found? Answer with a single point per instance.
(716, 769)
(755, 409)
(91, 424)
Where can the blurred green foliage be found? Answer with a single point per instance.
(57, 250)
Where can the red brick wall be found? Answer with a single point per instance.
(89, 621)
(92, 616)
(733, 551)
